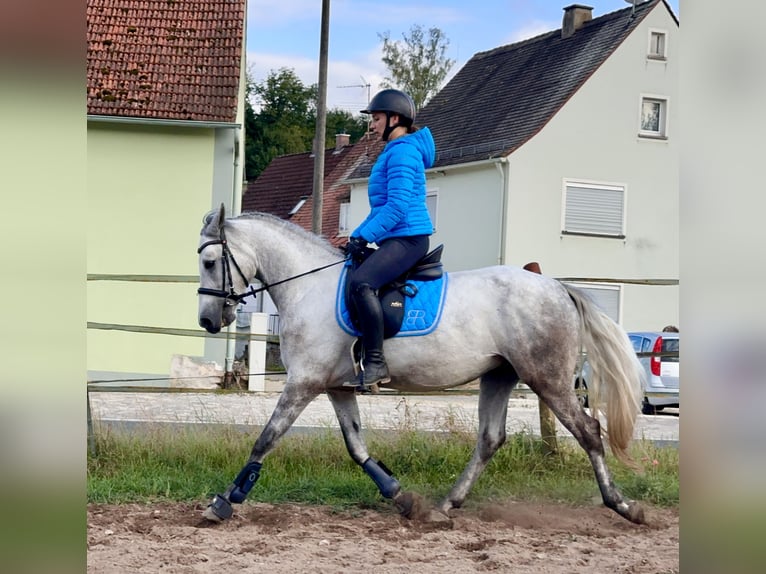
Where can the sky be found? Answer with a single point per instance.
(286, 34)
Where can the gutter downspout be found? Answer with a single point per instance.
(502, 166)
(235, 209)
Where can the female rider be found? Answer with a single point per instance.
(398, 221)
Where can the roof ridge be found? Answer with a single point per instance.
(598, 20)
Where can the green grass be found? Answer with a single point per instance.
(193, 463)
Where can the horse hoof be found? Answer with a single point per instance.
(219, 509)
(636, 513)
(208, 514)
(412, 506)
(405, 503)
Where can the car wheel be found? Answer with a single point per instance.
(647, 408)
(581, 388)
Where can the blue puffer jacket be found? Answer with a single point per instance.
(397, 189)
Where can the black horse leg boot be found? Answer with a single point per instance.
(370, 315)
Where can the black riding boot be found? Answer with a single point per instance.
(370, 315)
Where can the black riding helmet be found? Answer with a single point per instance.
(392, 101)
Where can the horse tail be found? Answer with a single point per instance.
(615, 387)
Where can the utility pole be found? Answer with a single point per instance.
(321, 127)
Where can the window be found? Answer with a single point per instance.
(301, 203)
(432, 203)
(606, 297)
(657, 42)
(343, 219)
(653, 119)
(594, 209)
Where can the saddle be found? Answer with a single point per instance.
(391, 295)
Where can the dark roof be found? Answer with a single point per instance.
(165, 59)
(503, 97)
(289, 179)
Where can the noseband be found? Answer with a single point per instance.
(231, 297)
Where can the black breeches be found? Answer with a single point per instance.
(392, 258)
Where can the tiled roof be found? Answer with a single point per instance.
(289, 179)
(503, 97)
(165, 59)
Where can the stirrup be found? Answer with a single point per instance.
(359, 386)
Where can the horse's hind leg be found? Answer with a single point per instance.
(347, 410)
(293, 400)
(587, 430)
(494, 391)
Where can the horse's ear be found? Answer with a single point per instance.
(213, 220)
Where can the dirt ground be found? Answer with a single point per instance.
(523, 538)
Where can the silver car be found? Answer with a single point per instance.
(658, 353)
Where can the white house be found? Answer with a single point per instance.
(564, 149)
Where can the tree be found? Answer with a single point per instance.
(417, 66)
(342, 122)
(280, 119)
(282, 125)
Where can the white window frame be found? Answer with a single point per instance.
(432, 203)
(592, 289)
(650, 52)
(297, 207)
(663, 125)
(570, 187)
(343, 218)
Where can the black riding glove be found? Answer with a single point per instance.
(356, 248)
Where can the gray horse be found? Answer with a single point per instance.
(499, 324)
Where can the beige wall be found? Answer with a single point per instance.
(148, 189)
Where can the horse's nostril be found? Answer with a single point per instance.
(207, 324)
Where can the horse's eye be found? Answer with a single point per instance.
(209, 264)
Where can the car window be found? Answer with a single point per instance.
(636, 341)
(646, 346)
(670, 346)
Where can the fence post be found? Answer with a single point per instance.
(91, 435)
(256, 381)
(547, 418)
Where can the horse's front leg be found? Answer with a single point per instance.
(347, 410)
(293, 400)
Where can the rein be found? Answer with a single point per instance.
(227, 257)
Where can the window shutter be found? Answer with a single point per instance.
(594, 209)
(607, 298)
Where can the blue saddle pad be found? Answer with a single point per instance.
(421, 312)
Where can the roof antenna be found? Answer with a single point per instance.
(632, 10)
(364, 84)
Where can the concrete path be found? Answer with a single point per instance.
(447, 411)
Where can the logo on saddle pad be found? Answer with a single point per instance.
(413, 310)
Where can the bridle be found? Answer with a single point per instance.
(231, 297)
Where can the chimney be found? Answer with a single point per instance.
(574, 17)
(341, 141)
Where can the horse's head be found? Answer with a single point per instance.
(217, 275)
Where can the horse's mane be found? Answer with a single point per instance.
(291, 227)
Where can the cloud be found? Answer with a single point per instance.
(531, 29)
(267, 13)
(367, 68)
